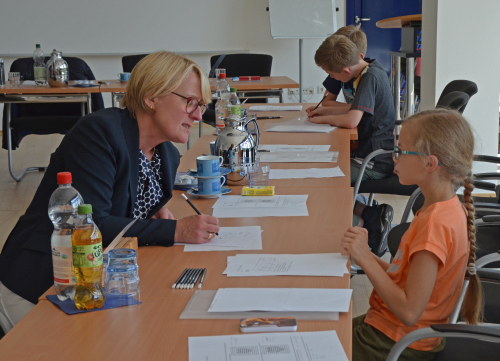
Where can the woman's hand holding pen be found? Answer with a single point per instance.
(196, 229)
(355, 242)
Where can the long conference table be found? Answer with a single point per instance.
(153, 330)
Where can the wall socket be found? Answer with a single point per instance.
(305, 91)
(321, 89)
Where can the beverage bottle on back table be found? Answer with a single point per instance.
(39, 70)
(234, 103)
(87, 261)
(63, 212)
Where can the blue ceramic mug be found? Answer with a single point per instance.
(208, 165)
(210, 185)
(124, 76)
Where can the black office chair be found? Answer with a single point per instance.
(456, 100)
(466, 86)
(130, 61)
(46, 118)
(465, 342)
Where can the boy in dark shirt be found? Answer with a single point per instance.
(372, 112)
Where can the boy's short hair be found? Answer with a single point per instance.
(356, 35)
(336, 53)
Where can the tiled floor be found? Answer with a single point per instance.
(35, 150)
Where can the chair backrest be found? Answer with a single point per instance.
(466, 86)
(456, 100)
(244, 64)
(130, 61)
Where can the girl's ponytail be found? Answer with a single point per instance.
(472, 307)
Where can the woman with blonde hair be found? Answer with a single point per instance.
(123, 163)
(422, 284)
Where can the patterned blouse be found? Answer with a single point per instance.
(149, 191)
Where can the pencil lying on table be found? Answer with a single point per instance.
(180, 277)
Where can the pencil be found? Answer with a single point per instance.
(191, 279)
(195, 209)
(321, 101)
(198, 274)
(202, 277)
(180, 277)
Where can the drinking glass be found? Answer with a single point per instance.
(14, 78)
(258, 174)
(122, 284)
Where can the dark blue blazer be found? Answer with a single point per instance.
(102, 153)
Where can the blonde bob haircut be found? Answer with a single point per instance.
(159, 74)
(336, 53)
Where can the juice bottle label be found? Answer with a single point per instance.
(63, 265)
(87, 256)
(40, 73)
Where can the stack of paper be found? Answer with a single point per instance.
(293, 148)
(260, 206)
(305, 173)
(267, 108)
(295, 157)
(297, 346)
(230, 239)
(320, 264)
(301, 125)
(281, 299)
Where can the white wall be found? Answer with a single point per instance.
(253, 19)
(460, 41)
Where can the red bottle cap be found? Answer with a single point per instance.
(222, 76)
(63, 178)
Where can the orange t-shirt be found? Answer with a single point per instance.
(442, 230)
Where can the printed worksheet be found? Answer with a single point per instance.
(260, 206)
(268, 108)
(305, 173)
(299, 157)
(294, 148)
(287, 346)
(232, 237)
(301, 125)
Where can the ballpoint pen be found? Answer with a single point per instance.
(195, 209)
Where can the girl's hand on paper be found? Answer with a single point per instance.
(355, 242)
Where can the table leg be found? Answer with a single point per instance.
(410, 91)
(396, 84)
(113, 96)
(89, 103)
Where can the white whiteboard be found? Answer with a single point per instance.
(302, 19)
(120, 26)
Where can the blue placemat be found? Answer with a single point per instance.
(112, 301)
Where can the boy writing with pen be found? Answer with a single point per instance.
(372, 112)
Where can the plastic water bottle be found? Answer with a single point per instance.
(39, 71)
(221, 86)
(221, 111)
(234, 103)
(87, 261)
(63, 212)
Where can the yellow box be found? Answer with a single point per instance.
(257, 191)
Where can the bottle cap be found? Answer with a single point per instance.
(85, 209)
(63, 178)
(233, 90)
(38, 46)
(222, 76)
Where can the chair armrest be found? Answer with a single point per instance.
(490, 258)
(487, 158)
(363, 167)
(481, 176)
(455, 330)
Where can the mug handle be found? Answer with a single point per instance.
(221, 160)
(223, 179)
(119, 76)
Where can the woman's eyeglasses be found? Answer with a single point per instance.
(192, 104)
(397, 151)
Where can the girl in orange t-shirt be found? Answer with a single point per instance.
(422, 284)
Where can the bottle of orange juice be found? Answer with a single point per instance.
(87, 260)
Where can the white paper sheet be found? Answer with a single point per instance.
(302, 157)
(267, 108)
(320, 264)
(232, 237)
(301, 125)
(256, 245)
(287, 346)
(260, 206)
(294, 148)
(281, 299)
(305, 173)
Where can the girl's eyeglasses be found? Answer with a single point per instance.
(192, 104)
(397, 151)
